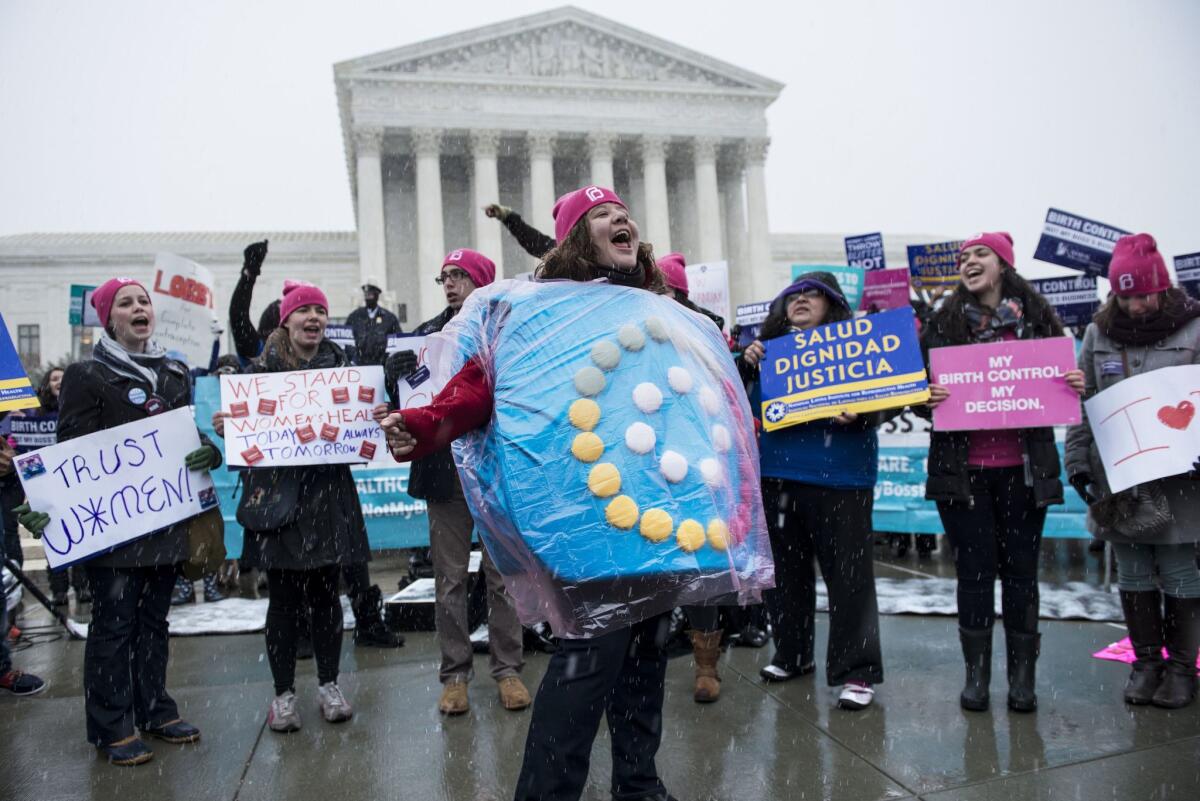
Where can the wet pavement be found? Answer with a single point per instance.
(760, 741)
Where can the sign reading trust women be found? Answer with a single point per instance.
(860, 365)
(1017, 384)
(303, 417)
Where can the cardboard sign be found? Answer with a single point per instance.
(849, 278)
(884, 289)
(182, 293)
(860, 365)
(110, 488)
(934, 265)
(1145, 426)
(303, 417)
(866, 251)
(16, 391)
(32, 431)
(1017, 384)
(1187, 273)
(1074, 298)
(708, 287)
(1077, 242)
(750, 317)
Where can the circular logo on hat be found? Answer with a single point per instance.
(136, 396)
(594, 193)
(1125, 282)
(455, 256)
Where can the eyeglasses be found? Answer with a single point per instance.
(454, 276)
(809, 294)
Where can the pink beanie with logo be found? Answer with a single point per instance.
(297, 294)
(1001, 243)
(1137, 268)
(673, 269)
(573, 205)
(104, 295)
(481, 269)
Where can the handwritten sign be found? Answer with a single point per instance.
(182, 292)
(708, 287)
(1145, 426)
(1016, 384)
(884, 289)
(419, 387)
(866, 251)
(1077, 242)
(16, 391)
(860, 365)
(303, 417)
(110, 488)
(934, 265)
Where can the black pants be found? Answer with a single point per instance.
(125, 658)
(834, 525)
(621, 675)
(291, 592)
(1000, 534)
(12, 495)
(63, 580)
(703, 618)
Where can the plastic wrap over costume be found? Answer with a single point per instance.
(618, 477)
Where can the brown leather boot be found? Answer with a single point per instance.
(706, 650)
(513, 694)
(454, 698)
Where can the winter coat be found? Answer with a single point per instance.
(371, 332)
(433, 478)
(95, 397)
(328, 527)
(533, 241)
(1105, 362)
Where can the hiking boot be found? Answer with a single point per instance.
(513, 694)
(454, 698)
(283, 715)
(334, 706)
(706, 652)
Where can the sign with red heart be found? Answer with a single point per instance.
(1178, 416)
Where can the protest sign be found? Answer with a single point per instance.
(303, 417)
(31, 431)
(16, 391)
(858, 365)
(866, 251)
(884, 289)
(182, 293)
(1187, 273)
(1015, 384)
(850, 279)
(418, 387)
(1145, 426)
(708, 287)
(749, 318)
(1077, 242)
(82, 312)
(1074, 297)
(340, 335)
(934, 265)
(110, 488)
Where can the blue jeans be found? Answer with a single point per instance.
(1175, 565)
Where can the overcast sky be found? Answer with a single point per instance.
(898, 116)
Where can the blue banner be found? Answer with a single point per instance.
(1187, 273)
(749, 320)
(1069, 240)
(16, 392)
(866, 251)
(1074, 297)
(935, 264)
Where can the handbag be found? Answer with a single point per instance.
(270, 499)
(1140, 512)
(206, 544)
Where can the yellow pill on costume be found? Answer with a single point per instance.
(584, 414)
(622, 512)
(690, 535)
(718, 534)
(587, 447)
(604, 480)
(657, 525)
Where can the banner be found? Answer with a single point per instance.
(82, 312)
(16, 391)
(750, 317)
(1074, 297)
(884, 289)
(110, 488)
(708, 287)
(866, 251)
(1187, 273)
(1145, 425)
(29, 432)
(1017, 384)
(934, 265)
(303, 417)
(1077, 242)
(182, 294)
(419, 387)
(340, 335)
(858, 365)
(849, 278)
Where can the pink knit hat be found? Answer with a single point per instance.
(672, 266)
(297, 294)
(481, 269)
(1001, 243)
(106, 293)
(573, 205)
(1137, 268)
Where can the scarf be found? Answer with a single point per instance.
(328, 355)
(137, 366)
(1149, 329)
(989, 325)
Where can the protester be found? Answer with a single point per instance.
(308, 525)
(531, 240)
(818, 493)
(372, 325)
(992, 487)
(434, 479)
(128, 378)
(1145, 325)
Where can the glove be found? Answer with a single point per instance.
(36, 522)
(496, 211)
(203, 458)
(1080, 482)
(1194, 475)
(253, 257)
(400, 363)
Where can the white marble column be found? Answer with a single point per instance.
(372, 243)
(600, 148)
(540, 145)
(484, 145)
(759, 269)
(708, 204)
(729, 178)
(431, 245)
(656, 228)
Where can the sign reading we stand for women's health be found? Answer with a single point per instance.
(303, 417)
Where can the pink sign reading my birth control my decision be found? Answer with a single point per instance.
(1016, 384)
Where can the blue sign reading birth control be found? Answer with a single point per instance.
(865, 251)
(1187, 272)
(1073, 297)
(1077, 242)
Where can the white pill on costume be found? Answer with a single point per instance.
(647, 397)
(657, 329)
(674, 467)
(720, 438)
(606, 355)
(710, 401)
(589, 381)
(640, 438)
(631, 337)
(680, 380)
(711, 472)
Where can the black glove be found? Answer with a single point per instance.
(399, 364)
(1194, 475)
(253, 257)
(1080, 482)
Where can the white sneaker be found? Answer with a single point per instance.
(856, 695)
(282, 715)
(334, 705)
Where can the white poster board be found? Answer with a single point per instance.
(303, 417)
(182, 293)
(419, 387)
(1146, 427)
(708, 287)
(115, 486)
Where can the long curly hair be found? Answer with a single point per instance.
(951, 319)
(576, 258)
